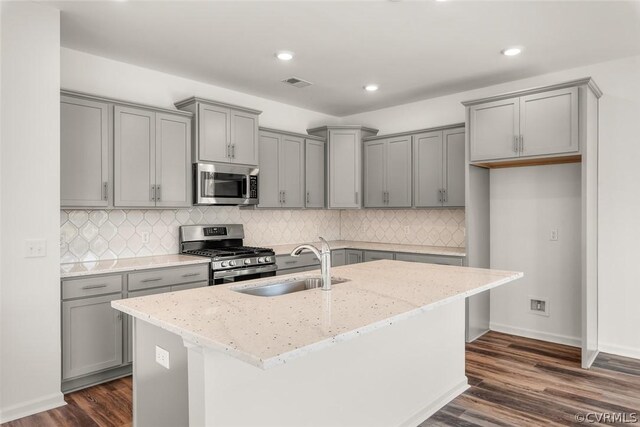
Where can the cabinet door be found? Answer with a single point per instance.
(494, 129)
(291, 167)
(269, 194)
(549, 122)
(134, 150)
(173, 161)
(84, 153)
(91, 336)
(427, 169)
(344, 169)
(338, 258)
(377, 255)
(128, 358)
(453, 141)
(398, 172)
(214, 133)
(314, 173)
(244, 138)
(375, 173)
(353, 256)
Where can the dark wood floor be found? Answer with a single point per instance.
(514, 382)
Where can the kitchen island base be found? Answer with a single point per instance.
(397, 375)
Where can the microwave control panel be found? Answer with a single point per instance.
(253, 187)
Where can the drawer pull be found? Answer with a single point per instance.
(291, 262)
(157, 279)
(87, 287)
(191, 275)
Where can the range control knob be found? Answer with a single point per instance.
(261, 259)
(224, 264)
(247, 261)
(232, 263)
(267, 259)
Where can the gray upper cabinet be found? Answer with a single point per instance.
(344, 164)
(173, 155)
(438, 164)
(537, 124)
(387, 172)
(84, 153)
(151, 152)
(281, 171)
(222, 132)
(314, 166)
(134, 151)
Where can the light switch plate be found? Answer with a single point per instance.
(35, 248)
(162, 357)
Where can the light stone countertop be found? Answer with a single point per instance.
(269, 331)
(78, 269)
(374, 246)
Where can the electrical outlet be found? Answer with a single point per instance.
(35, 248)
(145, 237)
(554, 235)
(162, 357)
(539, 306)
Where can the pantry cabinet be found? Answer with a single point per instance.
(438, 164)
(539, 124)
(387, 172)
(222, 132)
(85, 162)
(281, 171)
(344, 164)
(151, 158)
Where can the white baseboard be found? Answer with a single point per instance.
(619, 350)
(537, 335)
(424, 413)
(25, 409)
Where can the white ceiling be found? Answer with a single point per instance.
(412, 49)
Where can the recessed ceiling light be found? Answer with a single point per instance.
(284, 55)
(511, 51)
(371, 87)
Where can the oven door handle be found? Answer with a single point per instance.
(244, 271)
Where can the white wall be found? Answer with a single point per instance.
(619, 197)
(526, 204)
(30, 174)
(101, 76)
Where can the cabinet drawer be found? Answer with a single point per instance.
(297, 270)
(430, 259)
(376, 255)
(287, 261)
(189, 286)
(168, 277)
(91, 286)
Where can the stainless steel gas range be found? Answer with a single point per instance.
(230, 260)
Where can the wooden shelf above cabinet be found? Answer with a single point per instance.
(531, 162)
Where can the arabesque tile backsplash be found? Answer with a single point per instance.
(89, 235)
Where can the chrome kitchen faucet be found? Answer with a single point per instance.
(325, 260)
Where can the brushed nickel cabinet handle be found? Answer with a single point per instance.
(157, 193)
(444, 195)
(516, 147)
(153, 193)
(105, 191)
(307, 197)
(151, 280)
(521, 144)
(87, 287)
(284, 196)
(291, 262)
(191, 275)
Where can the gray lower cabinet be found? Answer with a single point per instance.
(91, 336)
(281, 171)
(438, 164)
(151, 158)
(338, 258)
(430, 259)
(288, 264)
(97, 339)
(353, 256)
(377, 255)
(387, 172)
(314, 166)
(84, 153)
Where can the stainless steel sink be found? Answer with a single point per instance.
(287, 287)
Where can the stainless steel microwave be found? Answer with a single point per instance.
(224, 184)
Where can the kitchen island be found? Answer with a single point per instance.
(383, 348)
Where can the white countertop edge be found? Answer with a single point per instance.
(293, 354)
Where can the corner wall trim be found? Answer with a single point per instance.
(31, 407)
(536, 335)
